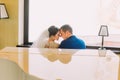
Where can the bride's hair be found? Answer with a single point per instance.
(52, 31)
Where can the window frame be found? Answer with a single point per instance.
(26, 22)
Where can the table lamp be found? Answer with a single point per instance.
(104, 33)
(3, 11)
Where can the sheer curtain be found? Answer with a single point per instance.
(85, 16)
(110, 13)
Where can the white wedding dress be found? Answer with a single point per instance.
(42, 40)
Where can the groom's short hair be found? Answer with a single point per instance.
(66, 27)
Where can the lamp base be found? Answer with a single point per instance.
(102, 52)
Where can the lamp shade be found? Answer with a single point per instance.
(3, 11)
(103, 31)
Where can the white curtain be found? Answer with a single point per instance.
(110, 12)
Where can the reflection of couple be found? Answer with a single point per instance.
(63, 55)
(70, 41)
(64, 58)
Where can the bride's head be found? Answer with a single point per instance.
(53, 32)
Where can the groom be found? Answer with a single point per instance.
(70, 41)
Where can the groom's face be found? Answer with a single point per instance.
(63, 34)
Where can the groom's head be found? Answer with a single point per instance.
(66, 31)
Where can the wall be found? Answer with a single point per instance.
(119, 66)
(9, 27)
(21, 22)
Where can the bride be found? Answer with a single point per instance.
(47, 38)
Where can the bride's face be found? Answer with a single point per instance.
(57, 36)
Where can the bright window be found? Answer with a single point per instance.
(85, 16)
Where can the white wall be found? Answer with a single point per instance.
(21, 22)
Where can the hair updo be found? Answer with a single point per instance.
(52, 31)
